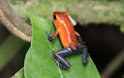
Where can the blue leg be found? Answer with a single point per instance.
(80, 40)
(59, 58)
(85, 55)
(84, 51)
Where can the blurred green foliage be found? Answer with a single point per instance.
(84, 12)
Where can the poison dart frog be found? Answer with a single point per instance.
(70, 39)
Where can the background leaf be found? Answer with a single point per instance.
(9, 48)
(39, 63)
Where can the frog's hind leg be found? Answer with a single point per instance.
(85, 55)
(59, 58)
(83, 49)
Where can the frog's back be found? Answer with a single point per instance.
(67, 33)
(66, 30)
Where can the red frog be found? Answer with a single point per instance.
(69, 38)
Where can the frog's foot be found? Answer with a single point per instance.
(62, 65)
(49, 35)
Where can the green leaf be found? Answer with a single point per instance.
(39, 63)
(19, 74)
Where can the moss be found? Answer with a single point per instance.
(83, 12)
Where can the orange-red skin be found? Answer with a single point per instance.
(65, 29)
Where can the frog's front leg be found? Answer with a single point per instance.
(59, 58)
(50, 36)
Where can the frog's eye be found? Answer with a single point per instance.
(72, 20)
(54, 17)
